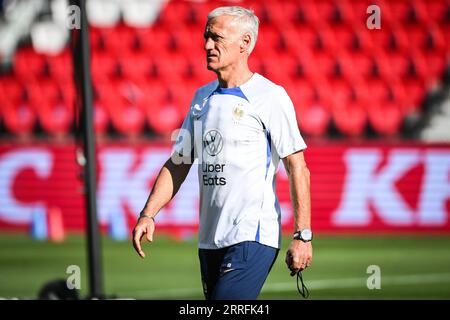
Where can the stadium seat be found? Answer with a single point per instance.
(301, 39)
(399, 66)
(418, 12)
(136, 65)
(401, 40)
(17, 109)
(356, 65)
(104, 65)
(125, 108)
(28, 65)
(60, 67)
(173, 12)
(401, 11)
(312, 114)
(436, 64)
(379, 40)
(172, 66)
(282, 13)
(326, 9)
(437, 11)
(162, 106)
(377, 89)
(117, 38)
(308, 13)
(151, 40)
(400, 96)
(55, 107)
(349, 117)
(324, 64)
(415, 87)
(19, 117)
(435, 39)
(385, 117)
(101, 117)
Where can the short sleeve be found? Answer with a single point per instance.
(184, 142)
(282, 125)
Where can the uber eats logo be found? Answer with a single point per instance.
(213, 145)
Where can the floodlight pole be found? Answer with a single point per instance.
(81, 52)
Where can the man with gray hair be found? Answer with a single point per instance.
(244, 124)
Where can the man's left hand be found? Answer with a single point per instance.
(298, 256)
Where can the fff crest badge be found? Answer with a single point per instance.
(238, 112)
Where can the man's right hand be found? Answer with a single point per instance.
(144, 225)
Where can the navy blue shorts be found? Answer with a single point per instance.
(237, 272)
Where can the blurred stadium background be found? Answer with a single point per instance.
(373, 105)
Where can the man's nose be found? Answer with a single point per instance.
(209, 44)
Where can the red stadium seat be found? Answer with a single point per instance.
(104, 65)
(419, 67)
(173, 65)
(19, 117)
(338, 89)
(401, 97)
(379, 40)
(326, 9)
(118, 38)
(17, 108)
(419, 12)
(323, 63)
(400, 39)
(151, 40)
(125, 108)
(101, 117)
(313, 118)
(436, 64)
(349, 117)
(354, 13)
(401, 11)
(174, 12)
(436, 40)
(60, 66)
(417, 37)
(398, 65)
(305, 65)
(28, 65)
(415, 87)
(185, 39)
(312, 114)
(308, 13)
(327, 39)
(378, 89)
(136, 65)
(164, 111)
(303, 38)
(198, 70)
(356, 65)
(437, 10)
(55, 107)
(269, 38)
(385, 117)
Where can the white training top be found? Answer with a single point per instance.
(241, 134)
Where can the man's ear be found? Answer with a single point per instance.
(245, 43)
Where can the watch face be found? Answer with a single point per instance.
(306, 234)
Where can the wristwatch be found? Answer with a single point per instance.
(304, 235)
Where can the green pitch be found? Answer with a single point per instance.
(412, 267)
